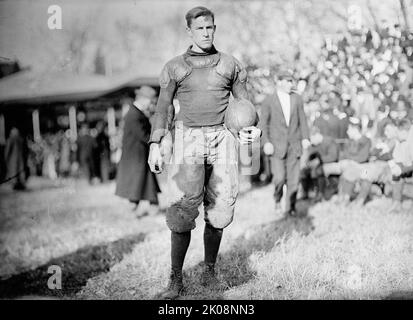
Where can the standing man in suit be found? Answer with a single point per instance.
(285, 134)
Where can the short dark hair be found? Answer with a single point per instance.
(404, 124)
(198, 12)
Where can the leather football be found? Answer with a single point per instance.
(240, 113)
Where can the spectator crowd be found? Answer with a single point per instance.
(54, 155)
(359, 98)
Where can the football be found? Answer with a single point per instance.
(240, 113)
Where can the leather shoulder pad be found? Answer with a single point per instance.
(178, 69)
(226, 66)
(230, 67)
(241, 71)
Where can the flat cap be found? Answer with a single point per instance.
(287, 74)
(146, 91)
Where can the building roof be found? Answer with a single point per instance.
(8, 66)
(29, 87)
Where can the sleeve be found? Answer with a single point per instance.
(171, 116)
(332, 153)
(142, 131)
(385, 156)
(265, 119)
(239, 84)
(344, 152)
(166, 95)
(302, 119)
(363, 151)
(376, 152)
(405, 169)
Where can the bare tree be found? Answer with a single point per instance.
(373, 15)
(405, 13)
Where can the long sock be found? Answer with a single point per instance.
(212, 240)
(179, 246)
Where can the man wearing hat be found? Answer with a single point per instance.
(284, 135)
(135, 181)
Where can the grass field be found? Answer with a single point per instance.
(105, 252)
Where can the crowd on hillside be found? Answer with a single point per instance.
(359, 101)
(366, 72)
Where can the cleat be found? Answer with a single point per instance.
(208, 277)
(174, 289)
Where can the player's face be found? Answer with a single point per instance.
(202, 33)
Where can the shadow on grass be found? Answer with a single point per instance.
(233, 268)
(400, 295)
(76, 268)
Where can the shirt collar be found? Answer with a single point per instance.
(280, 92)
(190, 52)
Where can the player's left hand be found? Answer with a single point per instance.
(248, 135)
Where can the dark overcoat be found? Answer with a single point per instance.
(134, 179)
(14, 155)
(275, 129)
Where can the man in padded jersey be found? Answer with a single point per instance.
(204, 164)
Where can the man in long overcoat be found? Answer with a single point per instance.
(86, 148)
(14, 155)
(135, 181)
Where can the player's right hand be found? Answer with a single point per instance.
(155, 159)
(268, 148)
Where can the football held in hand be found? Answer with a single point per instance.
(240, 114)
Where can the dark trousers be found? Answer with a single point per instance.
(286, 171)
(313, 178)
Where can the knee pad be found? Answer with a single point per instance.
(178, 220)
(220, 219)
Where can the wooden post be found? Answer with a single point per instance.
(125, 109)
(2, 130)
(111, 121)
(36, 125)
(406, 15)
(72, 123)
